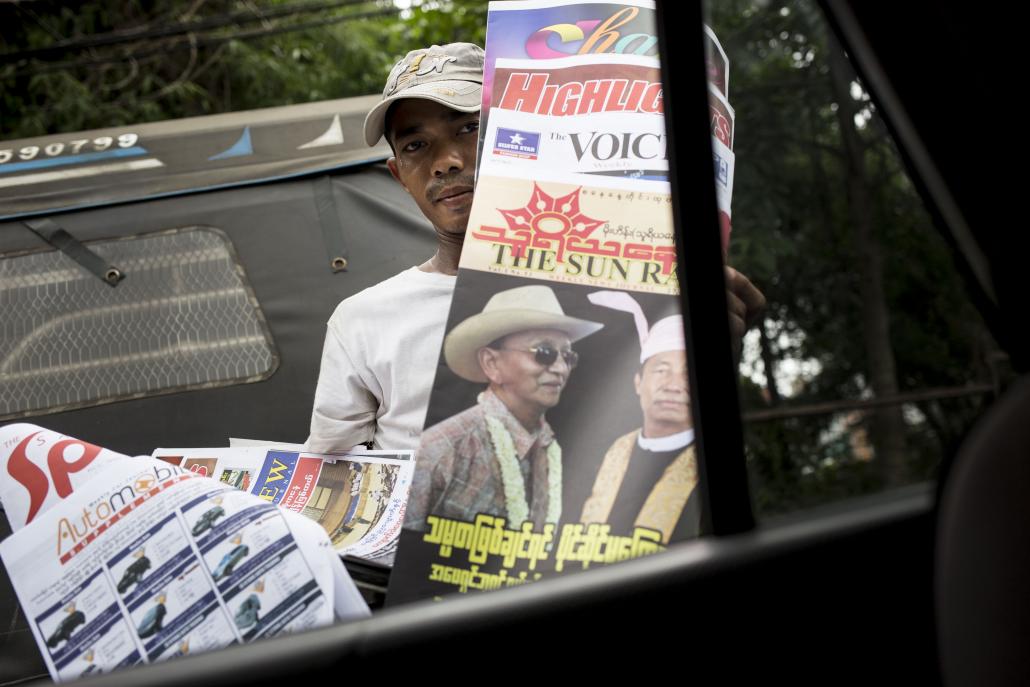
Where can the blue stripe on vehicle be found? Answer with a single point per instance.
(71, 159)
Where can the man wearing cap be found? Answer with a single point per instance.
(377, 367)
(648, 476)
(500, 457)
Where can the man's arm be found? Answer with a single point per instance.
(344, 413)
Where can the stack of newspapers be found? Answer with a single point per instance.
(120, 560)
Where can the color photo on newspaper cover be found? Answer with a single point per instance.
(588, 369)
(357, 499)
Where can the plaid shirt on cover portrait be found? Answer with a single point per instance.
(457, 474)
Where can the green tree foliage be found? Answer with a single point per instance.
(167, 59)
(808, 137)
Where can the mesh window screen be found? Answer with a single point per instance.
(183, 318)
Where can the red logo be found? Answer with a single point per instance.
(34, 478)
(556, 223)
(721, 128)
(552, 218)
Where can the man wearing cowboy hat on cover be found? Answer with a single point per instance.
(648, 477)
(500, 457)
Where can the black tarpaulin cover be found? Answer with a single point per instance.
(267, 204)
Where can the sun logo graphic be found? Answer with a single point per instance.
(550, 219)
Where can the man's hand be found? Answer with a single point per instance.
(746, 305)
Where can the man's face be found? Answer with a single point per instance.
(435, 159)
(664, 398)
(516, 372)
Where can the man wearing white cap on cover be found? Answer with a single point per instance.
(500, 457)
(648, 476)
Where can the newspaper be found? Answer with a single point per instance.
(559, 434)
(611, 144)
(581, 58)
(146, 561)
(358, 499)
(241, 442)
(600, 114)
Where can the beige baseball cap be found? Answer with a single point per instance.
(451, 75)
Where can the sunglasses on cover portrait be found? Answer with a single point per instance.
(545, 354)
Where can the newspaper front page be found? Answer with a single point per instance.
(559, 434)
(358, 499)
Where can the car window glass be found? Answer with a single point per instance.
(871, 361)
(184, 318)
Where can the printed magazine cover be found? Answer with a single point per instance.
(559, 431)
(358, 499)
(548, 30)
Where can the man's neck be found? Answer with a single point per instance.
(448, 252)
(658, 430)
(529, 415)
(670, 442)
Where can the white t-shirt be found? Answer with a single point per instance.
(378, 363)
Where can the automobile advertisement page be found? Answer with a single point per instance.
(148, 561)
(559, 434)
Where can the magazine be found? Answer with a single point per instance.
(358, 499)
(559, 433)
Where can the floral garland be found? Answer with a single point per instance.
(511, 476)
